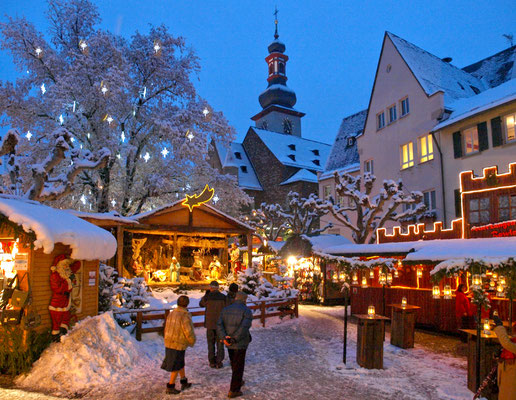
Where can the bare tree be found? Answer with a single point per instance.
(510, 38)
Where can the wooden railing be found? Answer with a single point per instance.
(286, 306)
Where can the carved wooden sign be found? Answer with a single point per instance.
(198, 199)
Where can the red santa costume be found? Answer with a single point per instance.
(61, 286)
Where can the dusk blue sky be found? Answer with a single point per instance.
(333, 45)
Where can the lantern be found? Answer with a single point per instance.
(396, 273)
(389, 278)
(492, 284)
(404, 302)
(487, 327)
(419, 272)
(502, 281)
(291, 260)
(355, 278)
(342, 276)
(500, 291)
(476, 281)
(371, 274)
(436, 292)
(335, 277)
(495, 275)
(364, 282)
(382, 279)
(447, 292)
(370, 311)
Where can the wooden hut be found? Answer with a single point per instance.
(33, 236)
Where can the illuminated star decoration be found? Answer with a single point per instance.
(103, 88)
(146, 157)
(215, 199)
(28, 135)
(43, 88)
(189, 135)
(39, 52)
(83, 199)
(61, 119)
(165, 152)
(198, 199)
(113, 202)
(122, 137)
(118, 156)
(83, 46)
(205, 111)
(157, 46)
(109, 119)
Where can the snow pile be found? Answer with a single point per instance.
(93, 353)
(51, 226)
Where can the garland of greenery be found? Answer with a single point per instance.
(17, 231)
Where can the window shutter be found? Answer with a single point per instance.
(458, 210)
(496, 130)
(483, 142)
(457, 145)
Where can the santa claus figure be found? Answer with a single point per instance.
(60, 303)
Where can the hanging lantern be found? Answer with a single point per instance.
(364, 282)
(447, 292)
(382, 279)
(500, 291)
(492, 284)
(476, 281)
(370, 311)
(371, 274)
(419, 273)
(342, 276)
(436, 292)
(355, 278)
(487, 327)
(335, 277)
(396, 273)
(404, 302)
(495, 275)
(389, 278)
(502, 281)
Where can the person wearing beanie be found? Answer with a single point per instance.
(179, 335)
(232, 291)
(214, 301)
(233, 329)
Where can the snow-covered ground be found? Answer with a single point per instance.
(289, 359)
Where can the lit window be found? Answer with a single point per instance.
(380, 118)
(426, 147)
(471, 140)
(404, 106)
(510, 127)
(392, 114)
(407, 155)
(326, 192)
(479, 211)
(506, 208)
(368, 166)
(429, 199)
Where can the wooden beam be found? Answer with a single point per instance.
(249, 250)
(120, 250)
(192, 231)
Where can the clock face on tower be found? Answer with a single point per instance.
(287, 126)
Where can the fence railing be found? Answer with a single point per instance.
(284, 307)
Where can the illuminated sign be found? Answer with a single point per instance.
(198, 199)
(501, 229)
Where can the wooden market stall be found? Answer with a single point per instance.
(49, 262)
(194, 236)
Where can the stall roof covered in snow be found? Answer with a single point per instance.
(496, 69)
(464, 108)
(302, 175)
(434, 74)
(324, 241)
(344, 152)
(237, 157)
(111, 216)
(295, 151)
(52, 226)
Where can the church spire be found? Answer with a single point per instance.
(276, 36)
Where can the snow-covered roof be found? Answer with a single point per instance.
(321, 243)
(344, 151)
(350, 168)
(109, 216)
(301, 175)
(295, 151)
(496, 69)
(237, 157)
(465, 108)
(434, 74)
(372, 249)
(51, 226)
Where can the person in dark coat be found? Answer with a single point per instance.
(214, 301)
(233, 289)
(233, 329)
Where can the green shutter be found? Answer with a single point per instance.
(458, 210)
(496, 131)
(457, 145)
(483, 142)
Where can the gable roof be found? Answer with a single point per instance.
(434, 74)
(247, 178)
(302, 175)
(496, 69)
(344, 154)
(295, 151)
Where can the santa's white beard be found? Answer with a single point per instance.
(63, 271)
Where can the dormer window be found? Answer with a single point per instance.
(351, 141)
(317, 162)
(238, 155)
(316, 152)
(475, 89)
(292, 147)
(292, 157)
(243, 168)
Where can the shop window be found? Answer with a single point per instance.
(506, 207)
(479, 211)
(471, 140)
(426, 148)
(407, 155)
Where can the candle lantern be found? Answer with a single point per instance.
(501, 281)
(495, 275)
(404, 302)
(382, 279)
(436, 292)
(476, 281)
(419, 272)
(335, 277)
(364, 282)
(487, 327)
(500, 291)
(447, 292)
(370, 311)
(342, 276)
(371, 274)
(492, 284)
(396, 273)
(389, 278)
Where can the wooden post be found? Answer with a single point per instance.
(296, 307)
(225, 258)
(139, 321)
(477, 361)
(165, 321)
(345, 341)
(120, 250)
(370, 341)
(263, 309)
(249, 250)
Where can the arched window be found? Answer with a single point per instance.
(281, 68)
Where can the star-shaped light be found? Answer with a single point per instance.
(43, 88)
(215, 199)
(205, 111)
(83, 199)
(113, 202)
(88, 135)
(104, 90)
(165, 152)
(109, 119)
(157, 46)
(189, 135)
(61, 119)
(72, 139)
(38, 51)
(118, 156)
(83, 45)
(122, 137)
(74, 106)
(146, 157)
(144, 92)
(28, 135)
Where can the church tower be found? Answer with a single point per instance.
(278, 100)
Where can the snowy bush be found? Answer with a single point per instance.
(108, 276)
(252, 282)
(131, 293)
